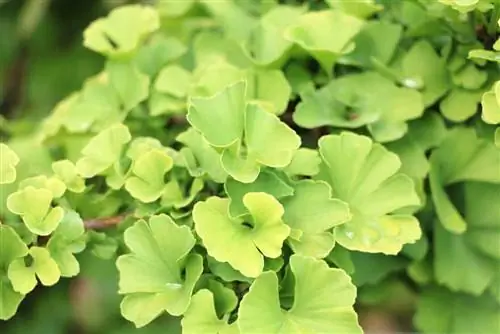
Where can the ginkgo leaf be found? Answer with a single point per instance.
(202, 318)
(476, 248)
(148, 172)
(131, 86)
(341, 104)
(312, 211)
(267, 45)
(103, 150)
(200, 157)
(67, 240)
(151, 275)
(53, 184)
(365, 175)
(67, 172)
(173, 80)
(8, 163)
(11, 248)
(377, 39)
(470, 77)
(361, 8)
(260, 310)
(304, 162)
(245, 240)
(95, 107)
(267, 181)
(468, 314)
(122, 30)
(491, 105)
(224, 110)
(474, 160)
(23, 277)
(34, 206)
(248, 130)
(326, 35)
(422, 63)
(177, 197)
(174, 8)
(460, 104)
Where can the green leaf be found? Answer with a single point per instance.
(360, 8)
(326, 35)
(148, 172)
(121, 32)
(373, 268)
(175, 196)
(43, 267)
(103, 150)
(173, 80)
(202, 318)
(229, 110)
(313, 212)
(245, 240)
(267, 45)
(158, 52)
(377, 39)
(11, 248)
(305, 162)
(150, 276)
(267, 181)
(174, 8)
(199, 157)
(468, 314)
(474, 160)
(34, 206)
(476, 248)
(8, 163)
(260, 310)
(491, 105)
(67, 240)
(131, 86)
(470, 77)
(225, 110)
(67, 172)
(53, 184)
(422, 63)
(95, 107)
(459, 105)
(365, 175)
(341, 104)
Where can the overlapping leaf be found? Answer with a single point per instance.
(312, 213)
(365, 175)
(8, 163)
(260, 310)
(151, 275)
(247, 130)
(11, 248)
(122, 30)
(245, 240)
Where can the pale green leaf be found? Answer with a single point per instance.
(326, 35)
(103, 150)
(148, 172)
(8, 163)
(66, 171)
(122, 30)
(243, 241)
(150, 275)
(314, 212)
(131, 86)
(459, 105)
(365, 175)
(491, 105)
(260, 310)
(34, 206)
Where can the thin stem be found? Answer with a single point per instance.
(105, 222)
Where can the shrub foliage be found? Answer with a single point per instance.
(254, 167)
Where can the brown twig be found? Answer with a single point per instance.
(103, 223)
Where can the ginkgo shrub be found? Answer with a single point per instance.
(260, 168)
